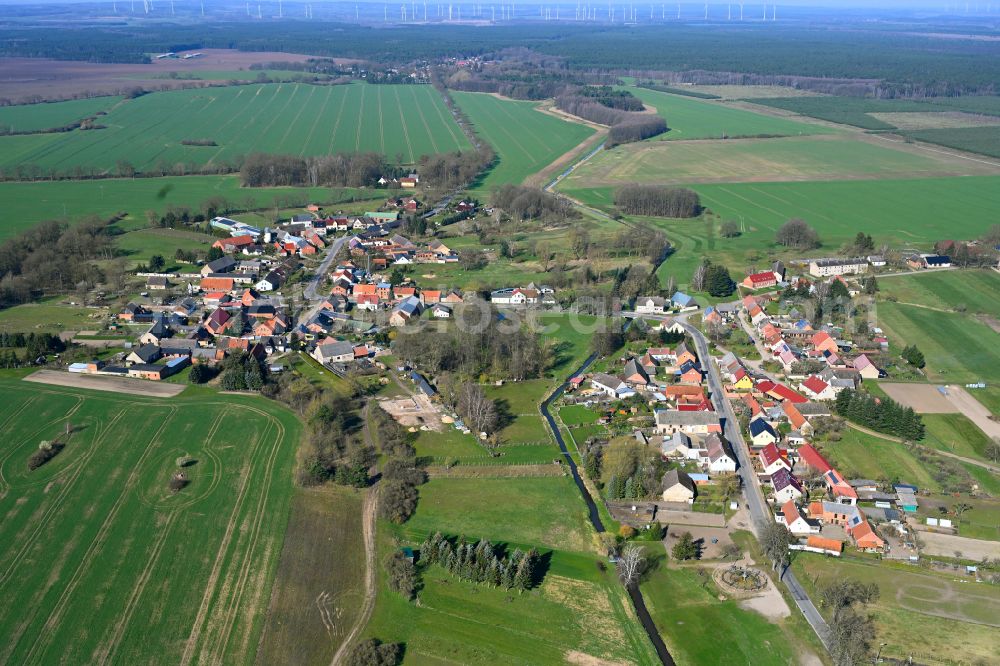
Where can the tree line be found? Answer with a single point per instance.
(884, 415)
(657, 200)
(530, 203)
(53, 257)
(625, 126)
(475, 348)
(483, 562)
(338, 170)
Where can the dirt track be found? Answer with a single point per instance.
(137, 387)
(945, 545)
(967, 404)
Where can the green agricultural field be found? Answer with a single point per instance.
(690, 118)
(846, 110)
(902, 213)
(688, 614)
(26, 204)
(50, 115)
(929, 617)
(292, 118)
(525, 140)
(984, 140)
(102, 563)
(976, 292)
(833, 157)
(958, 348)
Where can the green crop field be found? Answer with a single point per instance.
(690, 118)
(292, 118)
(929, 617)
(955, 433)
(845, 110)
(984, 140)
(832, 157)
(525, 140)
(977, 292)
(958, 348)
(50, 115)
(26, 204)
(688, 613)
(102, 563)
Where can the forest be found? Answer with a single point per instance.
(894, 62)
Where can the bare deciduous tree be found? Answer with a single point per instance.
(479, 412)
(698, 279)
(630, 564)
(774, 540)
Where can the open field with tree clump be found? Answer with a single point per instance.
(26, 204)
(845, 156)
(102, 563)
(929, 617)
(38, 117)
(578, 614)
(292, 118)
(525, 140)
(690, 118)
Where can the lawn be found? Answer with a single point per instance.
(95, 534)
(26, 204)
(520, 401)
(52, 316)
(931, 618)
(831, 157)
(317, 579)
(958, 348)
(955, 433)
(290, 118)
(525, 140)
(51, 115)
(861, 456)
(577, 415)
(690, 118)
(545, 511)
(141, 244)
(698, 628)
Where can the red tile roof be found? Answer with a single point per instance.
(810, 456)
(815, 384)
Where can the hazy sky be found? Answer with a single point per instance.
(895, 4)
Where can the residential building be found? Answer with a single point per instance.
(669, 421)
(786, 487)
(838, 266)
(677, 486)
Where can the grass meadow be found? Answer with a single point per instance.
(688, 613)
(290, 118)
(101, 563)
(525, 140)
(37, 117)
(862, 456)
(690, 118)
(929, 617)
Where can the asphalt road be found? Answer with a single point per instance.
(760, 512)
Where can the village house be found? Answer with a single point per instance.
(760, 280)
(786, 487)
(816, 389)
(611, 386)
(838, 266)
(680, 445)
(791, 517)
(220, 265)
(677, 486)
(650, 305)
(761, 432)
(669, 421)
(864, 366)
(334, 351)
(771, 460)
(719, 456)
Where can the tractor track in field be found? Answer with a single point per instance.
(319, 116)
(105, 653)
(336, 123)
(369, 512)
(258, 521)
(231, 527)
(406, 130)
(48, 628)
